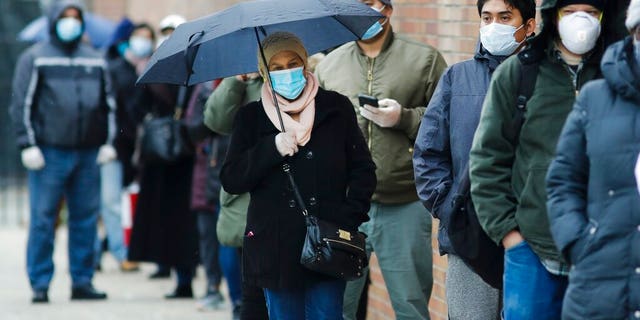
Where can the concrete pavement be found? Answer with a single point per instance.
(131, 295)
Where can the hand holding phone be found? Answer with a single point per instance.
(366, 99)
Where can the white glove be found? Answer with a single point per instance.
(106, 154)
(386, 116)
(32, 158)
(286, 143)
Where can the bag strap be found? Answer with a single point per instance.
(296, 192)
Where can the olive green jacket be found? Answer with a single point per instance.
(220, 110)
(406, 71)
(507, 181)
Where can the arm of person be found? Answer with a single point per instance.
(249, 157)
(361, 172)
(567, 181)
(492, 156)
(410, 117)
(223, 104)
(25, 81)
(432, 154)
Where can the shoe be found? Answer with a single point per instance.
(180, 292)
(160, 274)
(87, 292)
(237, 310)
(212, 301)
(40, 296)
(128, 266)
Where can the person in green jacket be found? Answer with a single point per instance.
(508, 177)
(220, 109)
(403, 75)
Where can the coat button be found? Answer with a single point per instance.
(637, 314)
(638, 228)
(638, 270)
(611, 193)
(292, 203)
(309, 155)
(592, 230)
(312, 201)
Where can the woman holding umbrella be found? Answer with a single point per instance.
(331, 165)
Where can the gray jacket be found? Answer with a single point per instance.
(62, 94)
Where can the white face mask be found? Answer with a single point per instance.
(579, 32)
(499, 39)
(141, 47)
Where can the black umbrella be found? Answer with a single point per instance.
(225, 43)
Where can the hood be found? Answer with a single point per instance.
(613, 28)
(57, 8)
(621, 71)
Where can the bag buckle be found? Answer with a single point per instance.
(342, 234)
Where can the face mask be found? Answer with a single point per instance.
(579, 32)
(499, 39)
(288, 83)
(141, 47)
(68, 29)
(376, 28)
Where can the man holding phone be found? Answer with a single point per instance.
(403, 74)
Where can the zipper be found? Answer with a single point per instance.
(343, 243)
(371, 61)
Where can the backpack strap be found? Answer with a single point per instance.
(529, 67)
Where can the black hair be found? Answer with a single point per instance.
(147, 26)
(526, 7)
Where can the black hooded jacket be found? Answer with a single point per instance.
(61, 93)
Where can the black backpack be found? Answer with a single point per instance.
(468, 239)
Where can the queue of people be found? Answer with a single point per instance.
(539, 125)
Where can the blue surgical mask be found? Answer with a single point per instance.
(288, 83)
(376, 28)
(68, 29)
(141, 47)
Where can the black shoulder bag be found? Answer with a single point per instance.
(468, 239)
(329, 249)
(165, 139)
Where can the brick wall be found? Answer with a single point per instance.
(449, 25)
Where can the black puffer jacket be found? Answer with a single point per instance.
(61, 93)
(594, 207)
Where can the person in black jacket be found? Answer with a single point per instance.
(594, 207)
(62, 109)
(331, 165)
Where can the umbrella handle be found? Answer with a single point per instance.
(273, 91)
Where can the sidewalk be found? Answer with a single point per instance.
(131, 295)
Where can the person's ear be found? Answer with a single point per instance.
(530, 27)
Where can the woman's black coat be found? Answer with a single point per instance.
(334, 172)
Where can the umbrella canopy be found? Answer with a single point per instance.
(98, 29)
(225, 43)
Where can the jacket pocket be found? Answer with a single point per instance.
(260, 254)
(579, 248)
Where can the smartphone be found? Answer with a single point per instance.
(365, 99)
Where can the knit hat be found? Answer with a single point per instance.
(596, 3)
(633, 14)
(280, 41)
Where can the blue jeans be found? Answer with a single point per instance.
(530, 291)
(111, 210)
(316, 300)
(74, 175)
(230, 263)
